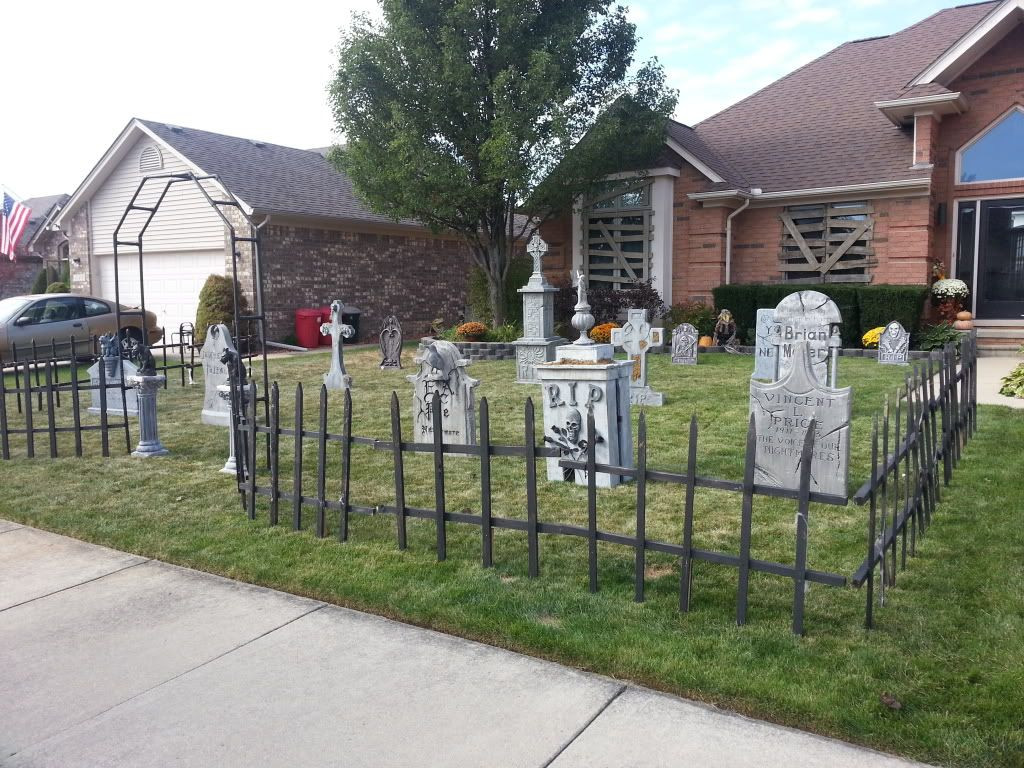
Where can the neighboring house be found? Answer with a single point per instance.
(40, 245)
(319, 242)
(887, 160)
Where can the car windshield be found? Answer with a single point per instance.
(10, 307)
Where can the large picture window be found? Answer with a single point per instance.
(827, 243)
(995, 155)
(617, 233)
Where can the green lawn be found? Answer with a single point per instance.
(949, 639)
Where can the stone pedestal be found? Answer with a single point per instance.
(230, 466)
(538, 342)
(581, 379)
(149, 437)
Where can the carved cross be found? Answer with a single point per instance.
(337, 377)
(537, 248)
(637, 338)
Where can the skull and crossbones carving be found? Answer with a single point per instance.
(570, 439)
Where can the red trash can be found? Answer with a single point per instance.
(325, 317)
(307, 327)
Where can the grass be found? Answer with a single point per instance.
(949, 640)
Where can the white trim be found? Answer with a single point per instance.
(666, 171)
(704, 169)
(921, 186)
(973, 45)
(974, 140)
(899, 111)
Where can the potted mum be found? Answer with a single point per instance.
(471, 332)
(950, 295)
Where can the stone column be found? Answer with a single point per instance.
(149, 438)
(538, 341)
(230, 466)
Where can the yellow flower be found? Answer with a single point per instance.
(871, 338)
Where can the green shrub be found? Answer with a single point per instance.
(504, 333)
(939, 335)
(39, 286)
(1012, 384)
(696, 313)
(216, 305)
(65, 273)
(881, 304)
(519, 271)
(57, 288)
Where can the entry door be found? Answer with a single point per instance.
(1000, 279)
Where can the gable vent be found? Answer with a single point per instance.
(151, 159)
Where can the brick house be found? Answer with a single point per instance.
(40, 245)
(887, 160)
(318, 240)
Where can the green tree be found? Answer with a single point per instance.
(461, 113)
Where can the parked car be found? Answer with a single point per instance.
(58, 317)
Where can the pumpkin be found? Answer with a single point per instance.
(964, 315)
(963, 325)
(705, 342)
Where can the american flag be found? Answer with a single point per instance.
(12, 223)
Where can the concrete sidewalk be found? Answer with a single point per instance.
(115, 660)
(991, 371)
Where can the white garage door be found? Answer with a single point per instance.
(172, 280)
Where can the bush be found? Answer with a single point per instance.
(1012, 384)
(65, 273)
(57, 288)
(216, 305)
(939, 335)
(602, 334)
(881, 304)
(470, 331)
(504, 333)
(519, 271)
(39, 285)
(696, 313)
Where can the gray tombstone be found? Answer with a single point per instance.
(215, 374)
(337, 377)
(805, 316)
(443, 370)
(764, 352)
(782, 412)
(538, 342)
(894, 344)
(637, 338)
(684, 344)
(391, 343)
(116, 371)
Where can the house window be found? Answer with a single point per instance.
(617, 230)
(150, 160)
(827, 243)
(997, 154)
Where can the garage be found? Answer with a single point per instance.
(173, 281)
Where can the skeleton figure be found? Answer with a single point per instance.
(725, 330)
(569, 440)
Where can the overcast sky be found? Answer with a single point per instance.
(76, 72)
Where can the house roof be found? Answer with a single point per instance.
(41, 208)
(819, 126)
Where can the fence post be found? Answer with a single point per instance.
(51, 425)
(321, 466)
(396, 453)
(29, 420)
(803, 509)
(275, 449)
(5, 445)
(76, 399)
(869, 605)
(686, 567)
(933, 454)
(897, 487)
(104, 419)
(944, 384)
(640, 558)
(439, 522)
(530, 452)
(592, 501)
(297, 463)
(486, 532)
(745, 520)
(885, 491)
(346, 466)
(53, 364)
(958, 385)
(250, 459)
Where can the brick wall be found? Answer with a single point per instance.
(698, 241)
(16, 277)
(417, 277)
(78, 250)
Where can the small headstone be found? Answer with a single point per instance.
(391, 343)
(805, 316)
(782, 412)
(894, 344)
(117, 370)
(337, 377)
(684, 344)
(764, 352)
(637, 338)
(215, 373)
(443, 370)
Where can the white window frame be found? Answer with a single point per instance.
(977, 137)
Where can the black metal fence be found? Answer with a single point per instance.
(285, 493)
(915, 446)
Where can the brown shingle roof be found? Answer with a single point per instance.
(818, 126)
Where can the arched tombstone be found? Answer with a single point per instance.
(684, 344)
(894, 344)
(808, 316)
(391, 343)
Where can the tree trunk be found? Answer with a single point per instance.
(496, 257)
(496, 292)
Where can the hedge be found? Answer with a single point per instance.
(216, 305)
(863, 307)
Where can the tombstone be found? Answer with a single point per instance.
(391, 343)
(637, 338)
(894, 344)
(684, 344)
(337, 377)
(215, 374)
(782, 412)
(116, 370)
(443, 370)
(538, 342)
(585, 378)
(805, 316)
(764, 351)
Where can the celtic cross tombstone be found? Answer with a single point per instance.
(684, 345)
(538, 342)
(337, 377)
(637, 338)
(894, 344)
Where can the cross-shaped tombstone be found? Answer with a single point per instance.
(637, 338)
(536, 248)
(337, 378)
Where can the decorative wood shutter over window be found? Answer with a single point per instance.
(150, 160)
(617, 231)
(827, 243)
